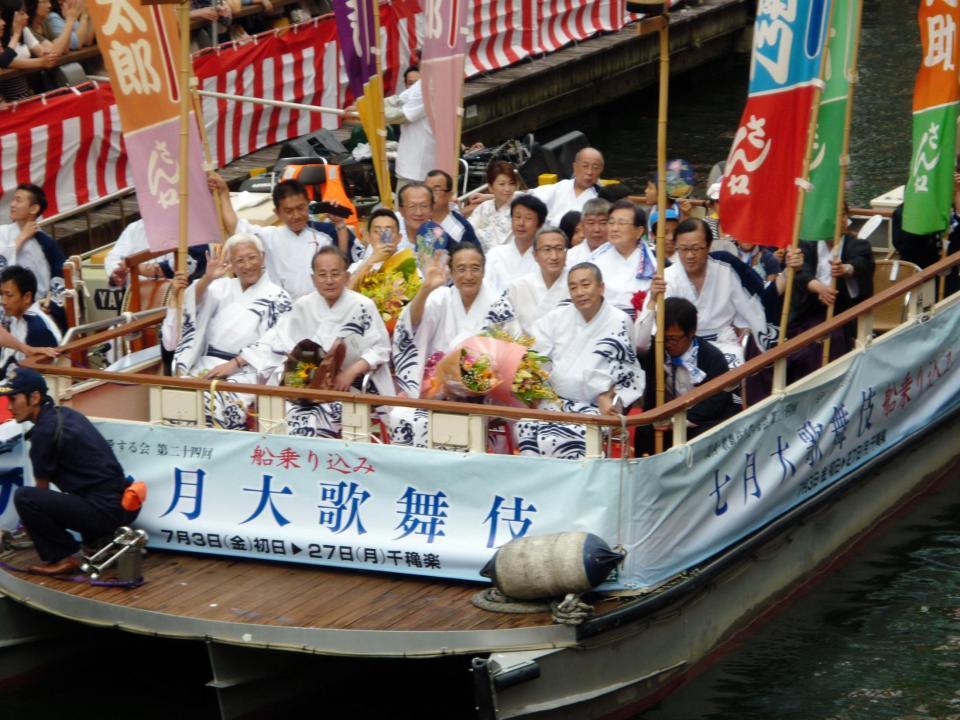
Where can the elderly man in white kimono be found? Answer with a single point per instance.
(221, 316)
(329, 314)
(726, 293)
(595, 368)
(535, 294)
(571, 194)
(625, 260)
(435, 321)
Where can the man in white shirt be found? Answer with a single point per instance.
(594, 220)
(505, 263)
(535, 294)
(626, 261)
(572, 193)
(452, 222)
(23, 243)
(417, 149)
(289, 247)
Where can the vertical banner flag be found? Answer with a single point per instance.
(759, 195)
(139, 49)
(831, 140)
(928, 195)
(357, 30)
(441, 71)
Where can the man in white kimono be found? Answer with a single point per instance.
(329, 314)
(513, 259)
(725, 292)
(595, 368)
(572, 193)
(594, 220)
(290, 246)
(626, 261)
(535, 294)
(222, 316)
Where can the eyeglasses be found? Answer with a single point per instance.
(336, 275)
(596, 167)
(674, 339)
(419, 206)
(464, 269)
(691, 250)
(552, 250)
(620, 223)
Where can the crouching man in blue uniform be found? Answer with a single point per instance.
(67, 450)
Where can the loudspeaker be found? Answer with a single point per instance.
(322, 143)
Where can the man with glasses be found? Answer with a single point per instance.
(572, 193)
(330, 313)
(452, 222)
(514, 259)
(626, 261)
(689, 361)
(727, 294)
(593, 218)
(535, 294)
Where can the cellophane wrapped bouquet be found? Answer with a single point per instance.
(392, 286)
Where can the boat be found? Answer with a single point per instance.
(717, 531)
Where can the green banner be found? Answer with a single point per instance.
(928, 195)
(829, 149)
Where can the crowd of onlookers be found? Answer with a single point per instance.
(37, 36)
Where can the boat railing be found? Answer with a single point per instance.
(453, 425)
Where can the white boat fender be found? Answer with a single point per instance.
(549, 566)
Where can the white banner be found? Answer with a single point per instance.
(13, 460)
(362, 506)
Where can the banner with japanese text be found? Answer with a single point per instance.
(760, 191)
(14, 467)
(351, 505)
(687, 505)
(357, 30)
(928, 195)
(441, 70)
(139, 46)
(830, 142)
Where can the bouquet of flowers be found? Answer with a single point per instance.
(467, 371)
(392, 286)
(308, 366)
(530, 382)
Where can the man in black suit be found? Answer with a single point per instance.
(689, 361)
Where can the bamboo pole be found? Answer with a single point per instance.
(207, 155)
(801, 191)
(381, 166)
(184, 146)
(838, 228)
(661, 214)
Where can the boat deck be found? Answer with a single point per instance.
(304, 608)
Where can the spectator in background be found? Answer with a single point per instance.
(38, 13)
(82, 34)
(491, 217)
(572, 227)
(16, 54)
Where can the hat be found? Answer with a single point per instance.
(713, 192)
(672, 214)
(24, 380)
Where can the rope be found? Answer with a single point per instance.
(569, 611)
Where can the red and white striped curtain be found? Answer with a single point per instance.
(70, 143)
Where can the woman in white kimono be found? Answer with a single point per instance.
(221, 316)
(329, 314)
(436, 320)
(595, 368)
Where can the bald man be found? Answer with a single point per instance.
(571, 194)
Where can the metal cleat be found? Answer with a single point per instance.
(124, 551)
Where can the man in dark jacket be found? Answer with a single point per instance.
(67, 450)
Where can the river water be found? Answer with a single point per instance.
(878, 640)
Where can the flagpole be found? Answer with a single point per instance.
(852, 81)
(207, 154)
(662, 210)
(801, 190)
(184, 145)
(380, 158)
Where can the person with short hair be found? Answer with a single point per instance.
(593, 220)
(27, 330)
(328, 314)
(23, 243)
(626, 261)
(689, 361)
(514, 259)
(68, 451)
(538, 292)
(595, 369)
(133, 240)
(491, 218)
(417, 150)
(572, 225)
(290, 246)
(221, 315)
(417, 228)
(453, 223)
(572, 193)
(383, 240)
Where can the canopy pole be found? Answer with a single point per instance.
(184, 147)
(662, 212)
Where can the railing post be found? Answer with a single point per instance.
(780, 375)
(271, 415)
(679, 421)
(864, 330)
(355, 422)
(594, 441)
(464, 432)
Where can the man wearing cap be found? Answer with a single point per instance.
(67, 450)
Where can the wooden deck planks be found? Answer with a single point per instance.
(285, 595)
